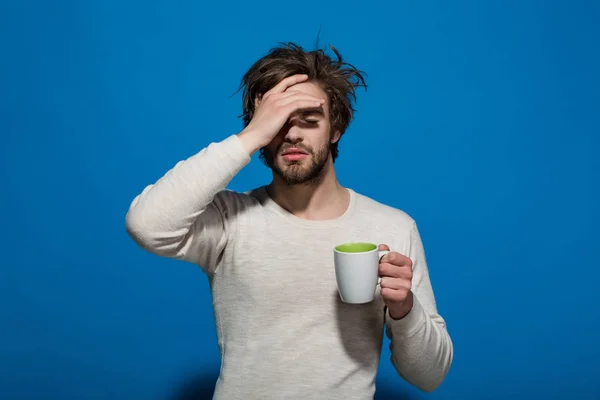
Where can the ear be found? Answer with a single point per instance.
(257, 100)
(335, 137)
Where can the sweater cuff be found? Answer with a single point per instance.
(410, 323)
(235, 152)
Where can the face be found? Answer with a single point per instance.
(299, 153)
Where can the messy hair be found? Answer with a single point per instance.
(336, 78)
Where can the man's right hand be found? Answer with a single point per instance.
(275, 108)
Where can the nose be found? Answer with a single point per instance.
(293, 134)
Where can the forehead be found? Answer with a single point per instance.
(312, 89)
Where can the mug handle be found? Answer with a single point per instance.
(381, 254)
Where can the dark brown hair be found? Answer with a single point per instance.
(337, 78)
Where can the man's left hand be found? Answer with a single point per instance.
(396, 274)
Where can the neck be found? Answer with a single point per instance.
(322, 200)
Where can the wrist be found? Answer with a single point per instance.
(401, 310)
(251, 141)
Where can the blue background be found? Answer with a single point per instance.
(481, 121)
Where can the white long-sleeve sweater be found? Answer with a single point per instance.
(282, 330)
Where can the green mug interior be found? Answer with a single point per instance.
(356, 247)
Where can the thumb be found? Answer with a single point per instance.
(384, 247)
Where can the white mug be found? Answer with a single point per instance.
(357, 271)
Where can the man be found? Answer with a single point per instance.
(282, 329)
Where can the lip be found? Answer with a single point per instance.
(294, 151)
(294, 156)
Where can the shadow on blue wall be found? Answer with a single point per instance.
(202, 386)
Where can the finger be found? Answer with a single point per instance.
(287, 93)
(395, 283)
(397, 259)
(394, 271)
(273, 97)
(287, 82)
(283, 95)
(384, 247)
(301, 104)
(299, 96)
(291, 93)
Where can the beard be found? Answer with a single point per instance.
(308, 171)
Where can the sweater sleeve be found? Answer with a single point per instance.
(186, 214)
(421, 348)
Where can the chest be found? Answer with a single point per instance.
(273, 267)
